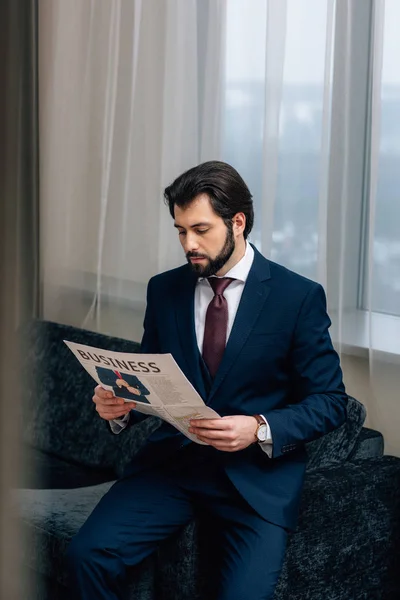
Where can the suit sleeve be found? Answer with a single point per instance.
(150, 344)
(319, 397)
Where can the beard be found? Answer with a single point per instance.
(214, 264)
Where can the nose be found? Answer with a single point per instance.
(191, 243)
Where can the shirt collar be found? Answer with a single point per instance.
(241, 270)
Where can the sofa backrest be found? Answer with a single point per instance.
(58, 415)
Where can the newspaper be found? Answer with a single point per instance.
(153, 381)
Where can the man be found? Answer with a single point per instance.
(252, 337)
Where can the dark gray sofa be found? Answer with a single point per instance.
(346, 545)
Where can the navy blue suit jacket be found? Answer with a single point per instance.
(279, 361)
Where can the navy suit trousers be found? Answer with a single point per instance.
(140, 511)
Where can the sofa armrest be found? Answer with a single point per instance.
(369, 444)
(335, 447)
(347, 543)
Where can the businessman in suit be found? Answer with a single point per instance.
(252, 337)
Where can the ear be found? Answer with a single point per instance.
(239, 223)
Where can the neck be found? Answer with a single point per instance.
(237, 255)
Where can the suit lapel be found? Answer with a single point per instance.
(184, 312)
(255, 293)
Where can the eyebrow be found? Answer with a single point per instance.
(193, 226)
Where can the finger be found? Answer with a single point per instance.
(210, 423)
(223, 446)
(218, 445)
(113, 410)
(108, 401)
(102, 393)
(105, 414)
(212, 434)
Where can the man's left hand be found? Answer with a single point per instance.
(229, 434)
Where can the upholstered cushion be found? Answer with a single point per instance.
(335, 447)
(49, 519)
(40, 470)
(369, 444)
(58, 414)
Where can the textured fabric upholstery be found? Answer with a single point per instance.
(369, 444)
(44, 471)
(336, 447)
(49, 519)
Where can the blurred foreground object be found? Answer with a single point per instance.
(18, 251)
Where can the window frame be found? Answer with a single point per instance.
(356, 329)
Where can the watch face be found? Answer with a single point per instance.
(262, 433)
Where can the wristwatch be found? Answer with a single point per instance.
(261, 431)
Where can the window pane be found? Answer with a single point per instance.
(295, 220)
(386, 243)
(244, 94)
(295, 237)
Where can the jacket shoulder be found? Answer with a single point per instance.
(168, 278)
(293, 283)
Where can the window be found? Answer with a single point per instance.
(385, 288)
(323, 90)
(295, 211)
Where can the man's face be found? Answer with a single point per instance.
(207, 241)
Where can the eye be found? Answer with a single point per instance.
(182, 233)
(201, 231)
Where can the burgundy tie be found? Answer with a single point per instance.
(216, 324)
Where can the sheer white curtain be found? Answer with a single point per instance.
(133, 92)
(129, 98)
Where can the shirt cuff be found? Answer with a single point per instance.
(118, 425)
(267, 445)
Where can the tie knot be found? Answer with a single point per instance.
(219, 284)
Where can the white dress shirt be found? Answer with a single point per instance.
(202, 298)
(233, 294)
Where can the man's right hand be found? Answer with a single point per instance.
(110, 407)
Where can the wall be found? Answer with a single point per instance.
(384, 416)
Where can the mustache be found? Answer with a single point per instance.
(195, 255)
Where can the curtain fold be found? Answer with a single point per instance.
(276, 27)
(127, 90)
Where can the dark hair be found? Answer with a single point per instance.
(224, 186)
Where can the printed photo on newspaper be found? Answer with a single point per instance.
(153, 381)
